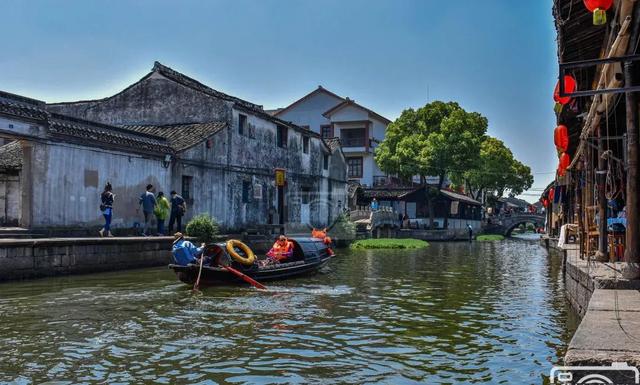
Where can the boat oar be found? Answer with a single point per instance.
(244, 277)
(195, 287)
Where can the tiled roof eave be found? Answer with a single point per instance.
(182, 137)
(87, 135)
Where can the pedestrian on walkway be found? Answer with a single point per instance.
(375, 205)
(148, 203)
(161, 211)
(106, 207)
(178, 209)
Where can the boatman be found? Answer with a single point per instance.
(281, 250)
(185, 252)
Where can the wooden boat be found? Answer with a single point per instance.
(309, 255)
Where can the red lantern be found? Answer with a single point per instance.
(545, 203)
(551, 192)
(561, 138)
(570, 86)
(565, 161)
(599, 9)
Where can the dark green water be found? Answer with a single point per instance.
(454, 313)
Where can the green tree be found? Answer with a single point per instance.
(496, 172)
(438, 139)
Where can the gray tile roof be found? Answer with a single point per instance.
(80, 131)
(20, 106)
(333, 143)
(92, 133)
(11, 156)
(182, 136)
(460, 197)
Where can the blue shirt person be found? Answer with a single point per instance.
(148, 202)
(185, 252)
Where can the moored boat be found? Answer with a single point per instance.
(309, 255)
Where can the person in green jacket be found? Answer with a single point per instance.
(161, 211)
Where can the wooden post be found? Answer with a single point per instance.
(632, 252)
(601, 175)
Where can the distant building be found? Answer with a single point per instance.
(220, 152)
(359, 129)
(451, 210)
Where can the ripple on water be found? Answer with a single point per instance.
(455, 312)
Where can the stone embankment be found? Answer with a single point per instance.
(33, 258)
(608, 305)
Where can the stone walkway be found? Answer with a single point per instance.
(609, 331)
(610, 328)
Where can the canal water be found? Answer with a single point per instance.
(456, 313)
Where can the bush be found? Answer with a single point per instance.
(343, 228)
(388, 243)
(203, 227)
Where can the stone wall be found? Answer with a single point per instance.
(578, 286)
(67, 181)
(32, 258)
(583, 277)
(10, 197)
(435, 235)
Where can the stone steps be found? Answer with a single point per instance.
(18, 233)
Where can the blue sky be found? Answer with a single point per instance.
(496, 57)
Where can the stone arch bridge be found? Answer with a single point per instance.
(506, 224)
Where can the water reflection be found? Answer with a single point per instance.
(455, 313)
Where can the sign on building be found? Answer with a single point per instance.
(257, 191)
(280, 177)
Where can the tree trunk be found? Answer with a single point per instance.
(447, 211)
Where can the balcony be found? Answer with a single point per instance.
(354, 137)
(353, 141)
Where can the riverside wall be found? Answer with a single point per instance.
(34, 258)
(608, 306)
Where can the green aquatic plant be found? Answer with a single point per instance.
(489, 237)
(389, 243)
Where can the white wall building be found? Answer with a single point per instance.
(359, 129)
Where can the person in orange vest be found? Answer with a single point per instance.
(281, 250)
(322, 234)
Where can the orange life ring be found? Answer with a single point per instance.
(249, 257)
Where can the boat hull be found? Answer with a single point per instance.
(216, 275)
(310, 255)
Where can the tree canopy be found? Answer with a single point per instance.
(442, 139)
(497, 172)
(438, 139)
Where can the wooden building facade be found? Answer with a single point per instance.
(597, 192)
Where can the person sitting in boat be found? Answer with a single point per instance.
(185, 252)
(281, 250)
(322, 234)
